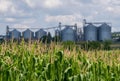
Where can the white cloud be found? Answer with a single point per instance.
(115, 2)
(10, 19)
(7, 6)
(44, 4)
(32, 13)
(66, 19)
(29, 21)
(111, 9)
(52, 3)
(103, 2)
(30, 3)
(61, 18)
(19, 26)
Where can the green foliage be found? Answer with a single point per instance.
(31, 62)
(56, 39)
(106, 44)
(68, 45)
(91, 45)
(46, 39)
(2, 41)
(49, 38)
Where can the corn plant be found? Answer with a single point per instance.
(51, 62)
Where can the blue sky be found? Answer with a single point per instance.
(47, 13)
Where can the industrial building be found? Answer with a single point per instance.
(68, 34)
(97, 33)
(28, 34)
(14, 34)
(40, 33)
(92, 31)
(104, 32)
(116, 36)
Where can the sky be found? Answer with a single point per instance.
(48, 13)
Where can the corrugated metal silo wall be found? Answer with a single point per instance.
(68, 34)
(104, 32)
(40, 33)
(90, 33)
(14, 34)
(28, 34)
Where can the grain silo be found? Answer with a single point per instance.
(14, 34)
(68, 34)
(28, 34)
(104, 32)
(40, 33)
(90, 32)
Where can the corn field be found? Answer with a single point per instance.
(54, 62)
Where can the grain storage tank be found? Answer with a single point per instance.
(40, 33)
(14, 34)
(68, 34)
(28, 34)
(104, 32)
(90, 32)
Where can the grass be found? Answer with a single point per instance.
(54, 62)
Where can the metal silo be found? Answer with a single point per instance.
(68, 34)
(14, 34)
(28, 34)
(40, 33)
(90, 32)
(104, 32)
